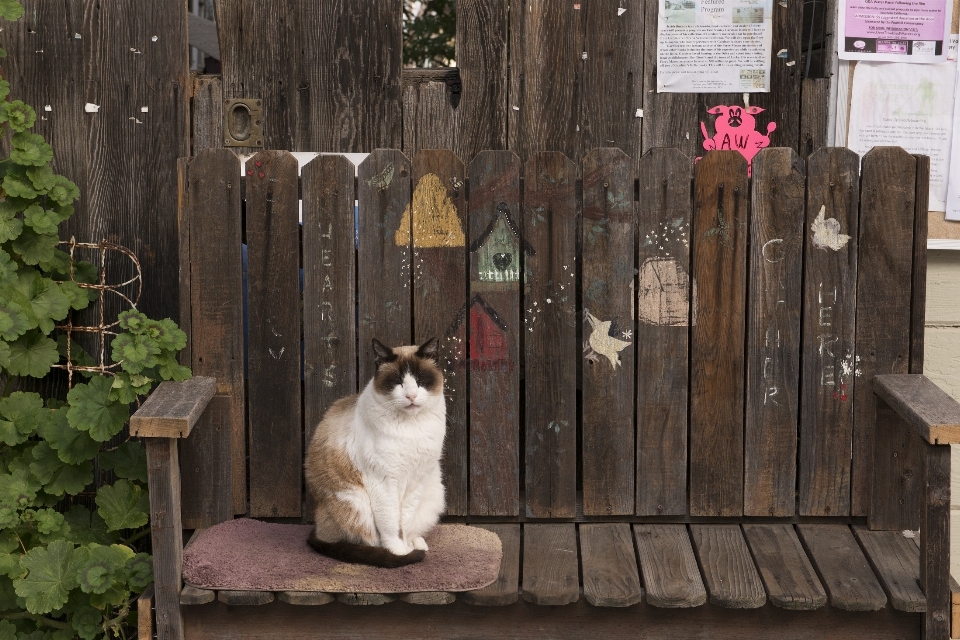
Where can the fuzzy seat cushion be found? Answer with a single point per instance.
(249, 555)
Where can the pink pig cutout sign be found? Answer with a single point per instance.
(736, 130)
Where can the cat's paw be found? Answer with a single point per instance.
(420, 543)
(398, 547)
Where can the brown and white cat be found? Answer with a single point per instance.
(373, 467)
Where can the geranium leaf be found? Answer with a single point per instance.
(129, 461)
(52, 575)
(24, 412)
(123, 505)
(10, 10)
(73, 446)
(58, 477)
(27, 148)
(34, 247)
(92, 410)
(32, 355)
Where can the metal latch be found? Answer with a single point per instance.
(243, 122)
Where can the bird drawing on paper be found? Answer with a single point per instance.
(601, 342)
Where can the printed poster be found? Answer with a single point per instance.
(894, 30)
(952, 208)
(714, 46)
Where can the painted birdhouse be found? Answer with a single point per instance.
(498, 249)
(488, 340)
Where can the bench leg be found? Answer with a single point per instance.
(163, 469)
(935, 542)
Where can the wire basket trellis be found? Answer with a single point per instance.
(102, 329)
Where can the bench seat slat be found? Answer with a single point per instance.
(729, 573)
(610, 576)
(896, 561)
(239, 598)
(307, 598)
(550, 572)
(504, 590)
(787, 574)
(846, 574)
(669, 567)
(193, 595)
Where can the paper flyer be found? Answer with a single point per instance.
(952, 208)
(714, 46)
(894, 30)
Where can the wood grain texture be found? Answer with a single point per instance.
(664, 293)
(612, 75)
(166, 534)
(365, 599)
(190, 596)
(918, 307)
(207, 103)
(731, 578)
(438, 217)
(930, 411)
(814, 114)
(829, 313)
(185, 356)
(896, 496)
(273, 361)
(773, 334)
(429, 597)
(847, 576)
(305, 598)
(173, 408)
(481, 51)
(504, 590)
(788, 576)
(214, 220)
(492, 337)
(429, 120)
(383, 264)
(549, 331)
(670, 572)
(717, 338)
(608, 363)
(145, 629)
(205, 468)
(935, 541)
(546, 45)
(550, 572)
(884, 280)
(609, 565)
(329, 287)
(245, 598)
(896, 562)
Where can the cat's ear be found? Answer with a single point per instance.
(429, 349)
(382, 352)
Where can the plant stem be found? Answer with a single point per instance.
(26, 615)
(137, 536)
(6, 386)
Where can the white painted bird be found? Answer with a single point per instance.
(602, 342)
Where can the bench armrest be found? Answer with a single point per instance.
(932, 414)
(173, 408)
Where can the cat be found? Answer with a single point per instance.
(373, 466)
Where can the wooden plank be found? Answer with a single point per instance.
(173, 408)
(429, 120)
(787, 574)
(919, 286)
(329, 287)
(814, 114)
(203, 35)
(145, 614)
(612, 75)
(896, 561)
(185, 356)
(305, 598)
(438, 219)
(929, 410)
(717, 337)
(896, 496)
(670, 572)
(273, 361)
(935, 542)
(383, 264)
(504, 590)
(846, 575)
(244, 598)
(429, 597)
(829, 312)
(205, 468)
(550, 572)
(729, 573)
(664, 293)
(610, 577)
(192, 595)
(166, 533)
(215, 223)
(888, 190)
(549, 225)
(773, 334)
(608, 246)
(207, 105)
(365, 599)
(544, 96)
(481, 51)
(493, 320)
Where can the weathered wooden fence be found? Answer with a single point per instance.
(668, 339)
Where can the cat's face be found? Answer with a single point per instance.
(408, 378)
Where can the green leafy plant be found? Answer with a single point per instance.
(73, 548)
(429, 29)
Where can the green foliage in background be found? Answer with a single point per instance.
(66, 570)
(429, 27)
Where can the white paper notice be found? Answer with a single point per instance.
(894, 30)
(906, 105)
(953, 191)
(714, 46)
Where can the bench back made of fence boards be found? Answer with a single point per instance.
(649, 338)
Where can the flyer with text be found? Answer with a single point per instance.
(894, 30)
(714, 46)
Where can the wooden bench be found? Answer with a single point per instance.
(688, 402)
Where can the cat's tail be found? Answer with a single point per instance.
(363, 554)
